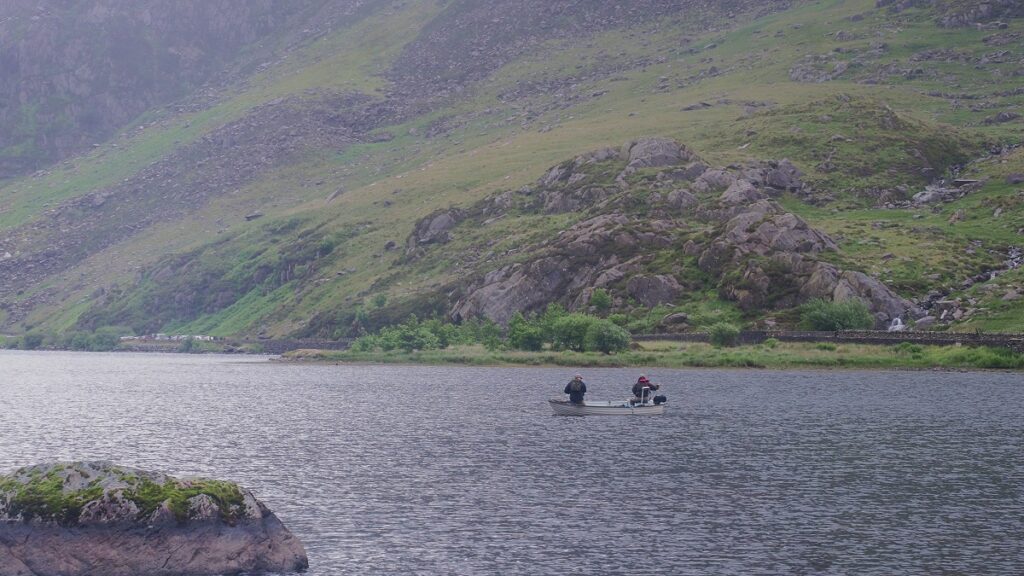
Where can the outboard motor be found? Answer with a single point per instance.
(661, 399)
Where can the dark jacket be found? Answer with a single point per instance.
(638, 388)
(576, 389)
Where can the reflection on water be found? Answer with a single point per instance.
(385, 470)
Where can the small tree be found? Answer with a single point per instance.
(600, 300)
(820, 314)
(380, 300)
(570, 332)
(724, 334)
(607, 337)
(546, 321)
(490, 335)
(525, 335)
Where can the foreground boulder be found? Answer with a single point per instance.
(88, 518)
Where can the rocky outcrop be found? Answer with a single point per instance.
(767, 258)
(90, 518)
(433, 229)
(816, 69)
(758, 254)
(597, 252)
(657, 153)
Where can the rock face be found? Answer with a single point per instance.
(751, 249)
(90, 518)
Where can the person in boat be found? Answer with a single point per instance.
(638, 388)
(576, 388)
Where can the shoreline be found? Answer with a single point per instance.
(673, 355)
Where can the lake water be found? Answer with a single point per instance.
(413, 470)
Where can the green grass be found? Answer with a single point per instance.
(685, 355)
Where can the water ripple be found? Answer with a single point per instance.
(384, 470)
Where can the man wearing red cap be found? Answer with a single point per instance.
(641, 383)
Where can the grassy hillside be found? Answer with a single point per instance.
(871, 105)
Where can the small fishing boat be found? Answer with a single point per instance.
(605, 408)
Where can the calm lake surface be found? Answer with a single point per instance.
(413, 470)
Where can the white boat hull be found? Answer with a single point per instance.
(565, 408)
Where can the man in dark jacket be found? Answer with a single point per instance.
(576, 388)
(638, 388)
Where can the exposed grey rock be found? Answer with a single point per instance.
(816, 69)
(584, 256)
(112, 535)
(784, 176)
(656, 153)
(924, 323)
(934, 194)
(597, 156)
(674, 319)
(766, 227)
(741, 192)
(515, 288)
(433, 229)
(681, 199)
(559, 201)
(1014, 179)
(1001, 118)
(652, 290)
(713, 180)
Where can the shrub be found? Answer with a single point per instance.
(367, 343)
(724, 334)
(619, 319)
(820, 314)
(409, 336)
(607, 337)
(32, 340)
(570, 332)
(524, 335)
(770, 343)
(908, 348)
(108, 338)
(601, 300)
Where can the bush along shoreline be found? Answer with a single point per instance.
(556, 337)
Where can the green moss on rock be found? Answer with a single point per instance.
(58, 493)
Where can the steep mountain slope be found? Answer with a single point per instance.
(74, 72)
(286, 203)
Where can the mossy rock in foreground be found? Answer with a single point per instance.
(98, 518)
